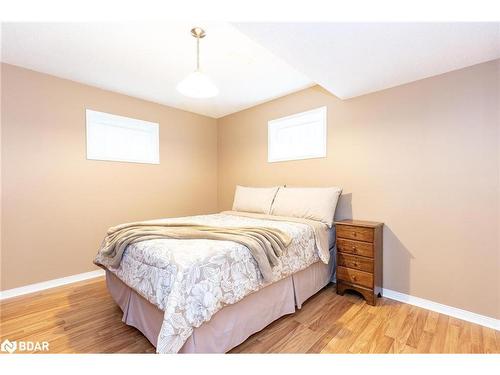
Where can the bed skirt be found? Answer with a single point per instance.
(234, 323)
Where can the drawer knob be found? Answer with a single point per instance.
(354, 278)
(354, 234)
(354, 249)
(356, 264)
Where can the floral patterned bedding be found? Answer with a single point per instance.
(190, 280)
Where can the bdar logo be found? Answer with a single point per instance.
(24, 346)
(8, 346)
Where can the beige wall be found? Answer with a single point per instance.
(57, 205)
(423, 158)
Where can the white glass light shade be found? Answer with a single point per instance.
(197, 85)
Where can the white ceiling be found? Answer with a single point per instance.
(147, 60)
(251, 63)
(352, 59)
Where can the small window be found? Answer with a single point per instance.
(299, 136)
(118, 138)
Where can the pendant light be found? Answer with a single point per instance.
(197, 84)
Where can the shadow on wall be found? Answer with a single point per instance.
(397, 257)
(344, 207)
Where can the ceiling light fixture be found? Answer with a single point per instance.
(197, 84)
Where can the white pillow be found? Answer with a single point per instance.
(252, 199)
(308, 203)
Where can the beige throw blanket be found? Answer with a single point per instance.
(320, 229)
(265, 244)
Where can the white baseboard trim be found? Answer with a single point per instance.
(401, 297)
(443, 309)
(32, 288)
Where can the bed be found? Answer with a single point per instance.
(208, 296)
(233, 324)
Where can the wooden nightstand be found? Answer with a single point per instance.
(359, 258)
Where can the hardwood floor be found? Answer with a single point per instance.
(83, 318)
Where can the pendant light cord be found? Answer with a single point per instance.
(198, 53)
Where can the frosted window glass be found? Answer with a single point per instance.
(299, 136)
(118, 138)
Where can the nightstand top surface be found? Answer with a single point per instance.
(359, 223)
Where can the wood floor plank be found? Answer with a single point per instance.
(477, 346)
(424, 343)
(431, 321)
(83, 318)
(401, 312)
(299, 340)
(451, 344)
(325, 338)
(418, 328)
(365, 337)
(315, 307)
(347, 335)
(489, 340)
(439, 337)
(399, 345)
(382, 344)
(379, 342)
(329, 315)
(464, 339)
(339, 343)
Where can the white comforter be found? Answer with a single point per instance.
(190, 280)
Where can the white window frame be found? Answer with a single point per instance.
(317, 116)
(94, 118)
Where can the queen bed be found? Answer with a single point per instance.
(200, 295)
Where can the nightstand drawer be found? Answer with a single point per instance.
(356, 277)
(355, 247)
(355, 233)
(352, 261)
